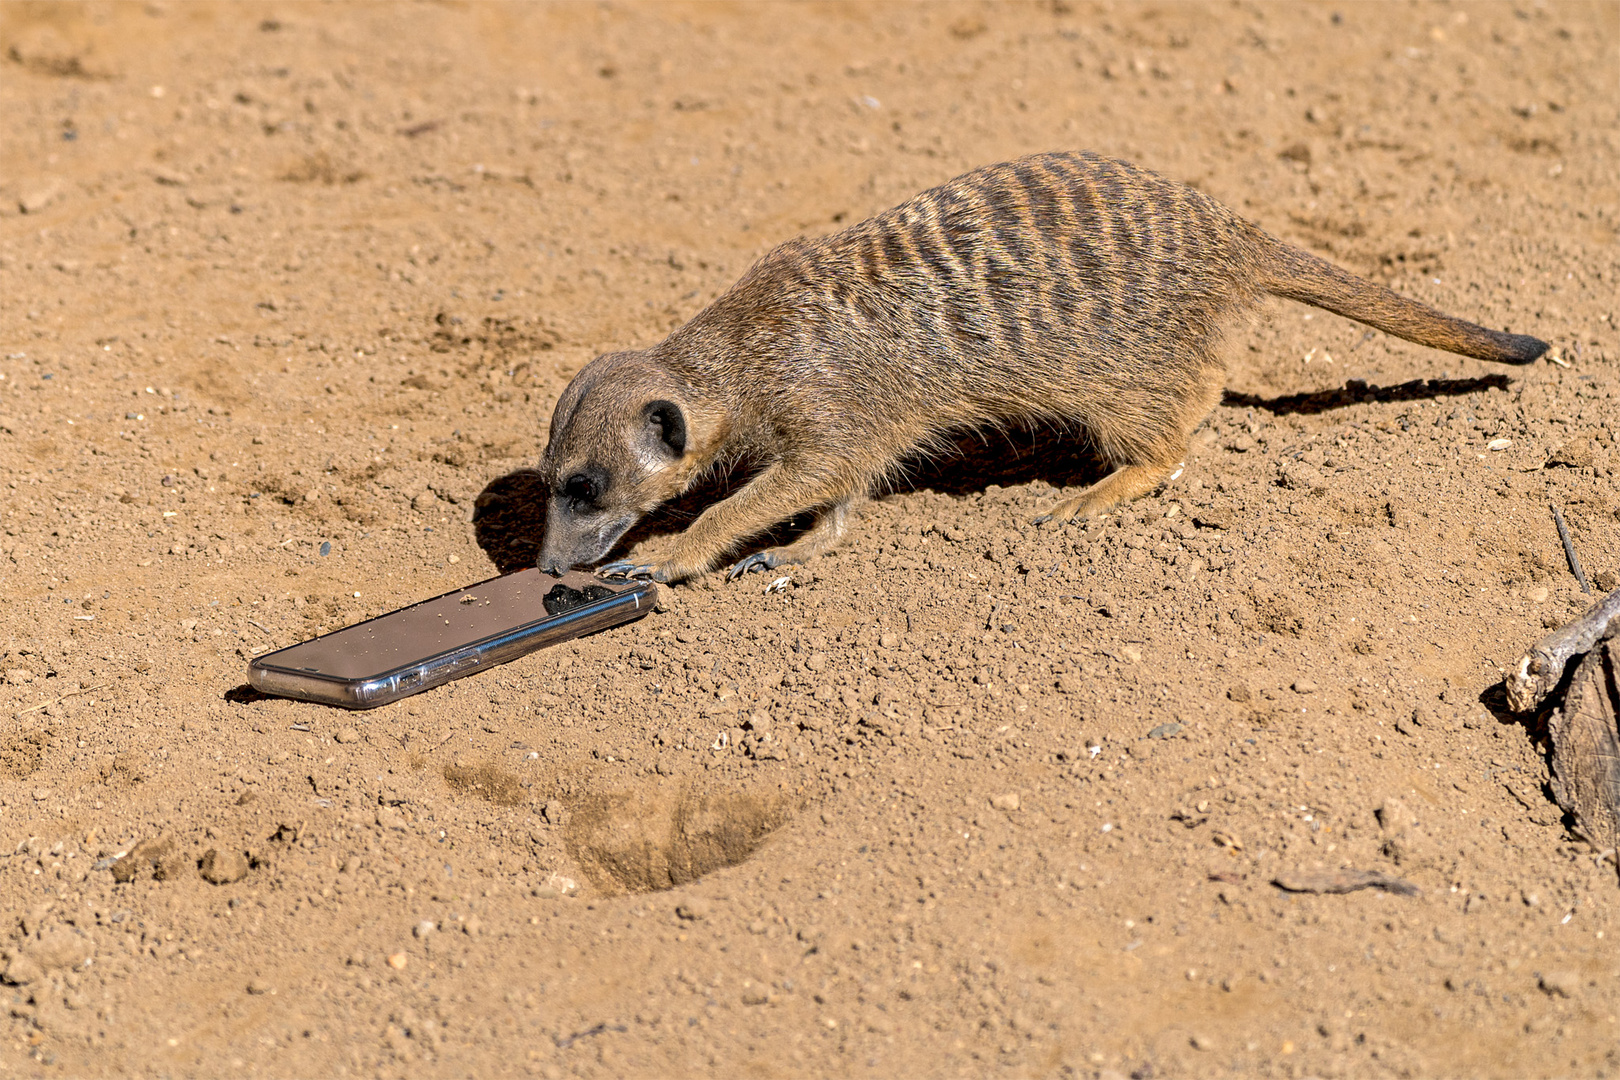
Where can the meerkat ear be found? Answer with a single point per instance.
(668, 424)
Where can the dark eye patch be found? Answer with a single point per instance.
(580, 488)
(585, 488)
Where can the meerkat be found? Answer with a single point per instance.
(1064, 290)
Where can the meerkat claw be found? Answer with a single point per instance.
(759, 560)
(627, 569)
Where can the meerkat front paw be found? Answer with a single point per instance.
(624, 568)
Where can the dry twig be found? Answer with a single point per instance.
(64, 697)
(1343, 881)
(1569, 549)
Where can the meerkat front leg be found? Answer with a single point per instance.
(771, 497)
(825, 534)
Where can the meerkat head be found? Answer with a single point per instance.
(622, 442)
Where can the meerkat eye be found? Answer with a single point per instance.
(580, 489)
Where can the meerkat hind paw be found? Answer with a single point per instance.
(1063, 513)
(759, 560)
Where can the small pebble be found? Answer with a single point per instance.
(39, 194)
(1304, 686)
(1009, 801)
(223, 867)
(398, 961)
(559, 885)
(423, 928)
(692, 910)
(258, 986)
(1499, 444)
(347, 735)
(23, 970)
(389, 818)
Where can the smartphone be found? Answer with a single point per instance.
(460, 633)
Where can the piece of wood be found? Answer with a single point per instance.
(1541, 669)
(1586, 747)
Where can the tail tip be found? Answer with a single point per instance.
(1524, 349)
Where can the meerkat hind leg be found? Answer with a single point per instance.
(829, 528)
(1164, 454)
(1121, 485)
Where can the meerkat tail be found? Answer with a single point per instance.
(1298, 275)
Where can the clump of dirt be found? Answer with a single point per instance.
(159, 856)
(23, 752)
(562, 599)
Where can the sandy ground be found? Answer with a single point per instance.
(968, 797)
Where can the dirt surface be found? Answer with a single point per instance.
(284, 287)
